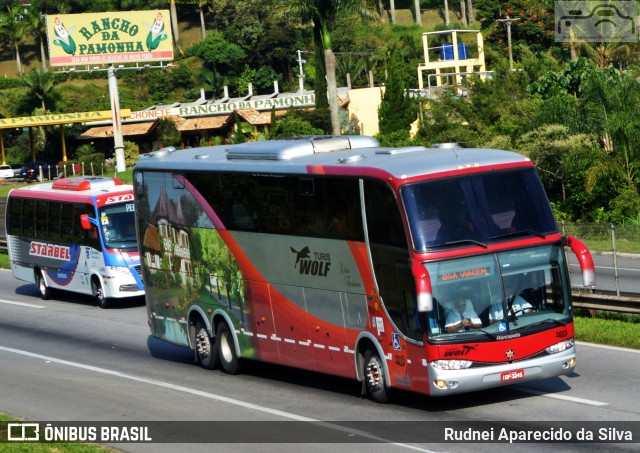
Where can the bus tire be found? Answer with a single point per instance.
(226, 350)
(98, 293)
(45, 291)
(206, 347)
(374, 377)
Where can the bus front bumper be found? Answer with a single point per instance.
(449, 382)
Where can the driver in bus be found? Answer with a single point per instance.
(517, 303)
(462, 316)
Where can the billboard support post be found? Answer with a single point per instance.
(118, 142)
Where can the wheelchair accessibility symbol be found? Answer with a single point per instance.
(396, 341)
(596, 21)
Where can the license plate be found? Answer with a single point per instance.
(512, 375)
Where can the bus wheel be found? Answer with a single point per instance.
(206, 348)
(226, 350)
(374, 377)
(45, 291)
(98, 292)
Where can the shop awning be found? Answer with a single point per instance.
(128, 130)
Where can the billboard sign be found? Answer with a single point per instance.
(109, 37)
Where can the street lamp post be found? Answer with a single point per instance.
(118, 141)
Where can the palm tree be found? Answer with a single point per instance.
(38, 25)
(416, 5)
(202, 4)
(446, 12)
(40, 84)
(14, 29)
(603, 54)
(322, 14)
(392, 7)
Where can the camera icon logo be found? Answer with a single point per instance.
(596, 21)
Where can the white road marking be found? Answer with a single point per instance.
(22, 304)
(610, 267)
(571, 399)
(211, 396)
(606, 346)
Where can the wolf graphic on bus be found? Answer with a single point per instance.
(336, 255)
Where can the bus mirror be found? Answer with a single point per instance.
(584, 259)
(424, 294)
(85, 222)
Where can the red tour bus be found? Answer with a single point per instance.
(75, 234)
(438, 271)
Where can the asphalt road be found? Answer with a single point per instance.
(66, 359)
(626, 266)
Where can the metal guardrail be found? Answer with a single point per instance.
(606, 302)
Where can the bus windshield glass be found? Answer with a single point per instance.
(117, 225)
(479, 208)
(494, 294)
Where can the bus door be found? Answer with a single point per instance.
(396, 285)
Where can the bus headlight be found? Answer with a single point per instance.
(451, 364)
(560, 347)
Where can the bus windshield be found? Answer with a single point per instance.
(479, 209)
(513, 291)
(117, 225)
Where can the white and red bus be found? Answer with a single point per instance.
(336, 255)
(75, 234)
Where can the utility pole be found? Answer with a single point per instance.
(300, 72)
(508, 21)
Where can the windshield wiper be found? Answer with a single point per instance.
(520, 233)
(461, 241)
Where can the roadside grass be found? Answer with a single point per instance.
(623, 245)
(611, 332)
(42, 447)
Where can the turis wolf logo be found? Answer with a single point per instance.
(303, 254)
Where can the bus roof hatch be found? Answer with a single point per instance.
(287, 149)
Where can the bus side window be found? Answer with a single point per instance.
(14, 211)
(55, 231)
(42, 219)
(28, 218)
(66, 223)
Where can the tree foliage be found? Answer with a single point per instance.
(397, 110)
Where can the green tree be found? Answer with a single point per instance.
(397, 110)
(131, 153)
(323, 14)
(41, 86)
(562, 159)
(167, 133)
(14, 29)
(220, 56)
(292, 126)
(38, 26)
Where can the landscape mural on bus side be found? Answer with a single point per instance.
(184, 265)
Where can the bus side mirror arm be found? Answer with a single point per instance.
(88, 222)
(424, 293)
(584, 259)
